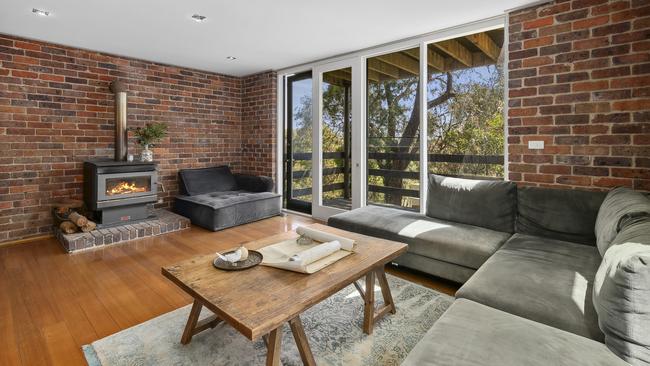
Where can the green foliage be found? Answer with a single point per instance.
(467, 119)
(150, 134)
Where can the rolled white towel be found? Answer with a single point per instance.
(318, 252)
(346, 244)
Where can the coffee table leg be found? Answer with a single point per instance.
(301, 341)
(369, 303)
(370, 314)
(191, 322)
(273, 347)
(385, 290)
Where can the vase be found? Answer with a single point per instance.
(147, 155)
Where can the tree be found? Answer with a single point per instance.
(464, 112)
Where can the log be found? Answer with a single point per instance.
(68, 227)
(78, 219)
(64, 206)
(90, 226)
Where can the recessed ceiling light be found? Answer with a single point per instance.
(231, 58)
(40, 12)
(199, 18)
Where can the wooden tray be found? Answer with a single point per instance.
(254, 258)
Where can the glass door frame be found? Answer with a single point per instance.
(291, 203)
(320, 211)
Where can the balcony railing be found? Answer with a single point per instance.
(388, 173)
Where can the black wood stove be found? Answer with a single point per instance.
(118, 191)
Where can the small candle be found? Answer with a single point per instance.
(129, 158)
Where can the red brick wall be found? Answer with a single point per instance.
(259, 124)
(56, 110)
(579, 78)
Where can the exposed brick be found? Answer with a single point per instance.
(571, 140)
(612, 161)
(571, 119)
(573, 15)
(611, 139)
(554, 49)
(611, 29)
(574, 180)
(590, 171)
(537, 42)
(571, 77)
(63, 115)
(538, 23)
(591, 22)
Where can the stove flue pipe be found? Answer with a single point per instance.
(121, 134)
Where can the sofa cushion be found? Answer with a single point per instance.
(622, 294)
(620, 203)
(545, 280)
(205, 180)
(491, 204)
(435, 267)
(253, 183)
(220, 210)
(452, 242)
(560, 214)
(471, 334)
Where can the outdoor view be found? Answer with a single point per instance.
(465, 122)
(465, 116)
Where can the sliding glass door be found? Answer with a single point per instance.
(333, 138)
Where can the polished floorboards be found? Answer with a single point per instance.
(52, 303)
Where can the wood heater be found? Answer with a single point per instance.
(116, 190)
(119, 192)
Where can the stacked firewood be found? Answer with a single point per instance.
(68, 215)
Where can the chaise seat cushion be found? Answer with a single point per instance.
(471, 334)
(545, 280)
(460, 244)
(219, 210)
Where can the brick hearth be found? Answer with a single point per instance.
(165, 222)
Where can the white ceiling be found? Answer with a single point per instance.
(262, 34)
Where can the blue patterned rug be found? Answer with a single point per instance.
(333, 328)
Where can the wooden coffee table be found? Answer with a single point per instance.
(259, 301)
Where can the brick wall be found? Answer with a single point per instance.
(259, 124)
(579, 77)
(56, 110)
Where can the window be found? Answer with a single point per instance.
(465, 106)
(444, 115)
(393, 129)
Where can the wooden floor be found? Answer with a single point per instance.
(52, 303)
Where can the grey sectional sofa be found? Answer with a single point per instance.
(215, 198)
(551, 277)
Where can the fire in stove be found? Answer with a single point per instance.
(125, 188)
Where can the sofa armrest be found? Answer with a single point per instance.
(253, 183)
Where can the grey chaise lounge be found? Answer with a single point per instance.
(215, 199)
(570, 285)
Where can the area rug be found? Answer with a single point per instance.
(333, 328)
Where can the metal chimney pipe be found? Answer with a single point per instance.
(121, 134)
